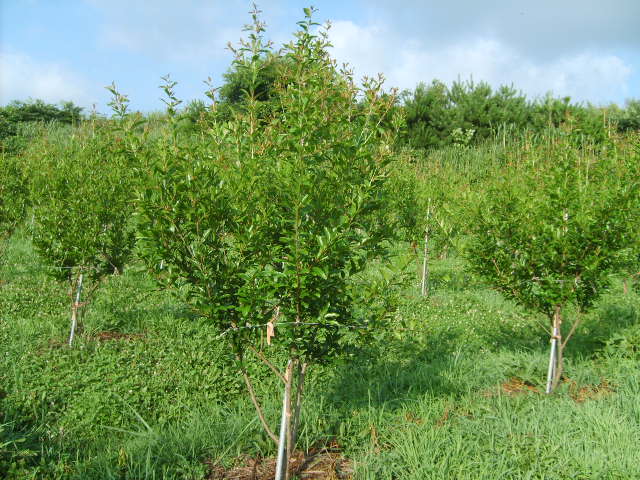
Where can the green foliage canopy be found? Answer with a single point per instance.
(82, 201)
(550, 231)
(274, 215)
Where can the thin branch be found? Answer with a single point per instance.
(424, 287)
(573, 329)
(256, 404)
(542, 325)
(89, 293)
(266, 361)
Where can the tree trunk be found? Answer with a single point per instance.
(298, 404)
(560, 349)
(74, 309)
(282, 462)
(292, 372)
(289, 423)
(425, 266)
(554, 373)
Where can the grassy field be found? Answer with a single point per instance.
(450, 390)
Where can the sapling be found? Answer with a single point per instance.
(82, 207)
(549, 233)
(270, 216)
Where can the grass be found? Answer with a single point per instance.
(450, 390)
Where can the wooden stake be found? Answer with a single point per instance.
(425, 266)
(555, 357)
(552, 362)
(424, 287)
(74, 309)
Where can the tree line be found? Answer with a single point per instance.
(436, 114)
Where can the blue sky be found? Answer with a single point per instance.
(70, 49)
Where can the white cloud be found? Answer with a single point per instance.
(543, 29)
(191, 31)
(22, 77)
(585, 76)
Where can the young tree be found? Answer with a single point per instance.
(269, 219)
(548, 235)
(429, 115)
(82, 204)
(482, 110)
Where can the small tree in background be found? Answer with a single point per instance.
(82, 204)
(270, 219)
(482, 110)
(549, 235)
(429, 115)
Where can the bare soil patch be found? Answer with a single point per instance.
(106, 336)
(512, 387)
(581, 394)
(517, 386)
(317, 464)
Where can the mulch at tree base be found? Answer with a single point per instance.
(516, 386)
(590, 392)
(317, 464)
(105, 336)
(579, 394)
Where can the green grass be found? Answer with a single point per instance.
(424, 400)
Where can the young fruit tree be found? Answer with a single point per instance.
(268, 218)
(549, 233)
(82, 206)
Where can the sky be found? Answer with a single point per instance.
(61, 50)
